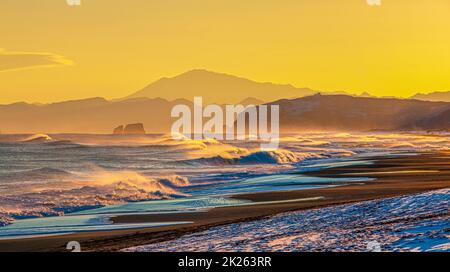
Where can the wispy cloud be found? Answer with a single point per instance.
(14, 61)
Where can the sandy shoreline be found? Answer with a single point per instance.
(395, 176)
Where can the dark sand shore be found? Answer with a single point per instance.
(395, 176)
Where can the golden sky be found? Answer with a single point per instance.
(51, 51)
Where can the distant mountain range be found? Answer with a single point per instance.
(436, 96)
(317, 112)
(218, 88)
(95, 115)
(301, 109)
(343, 112)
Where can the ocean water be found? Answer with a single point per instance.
(68, 183)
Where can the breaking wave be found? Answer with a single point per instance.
(175, 181)
(38, 138)
(97, 189)
(279, 156)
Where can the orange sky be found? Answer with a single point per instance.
(51, 51)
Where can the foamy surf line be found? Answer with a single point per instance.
(28, 230)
